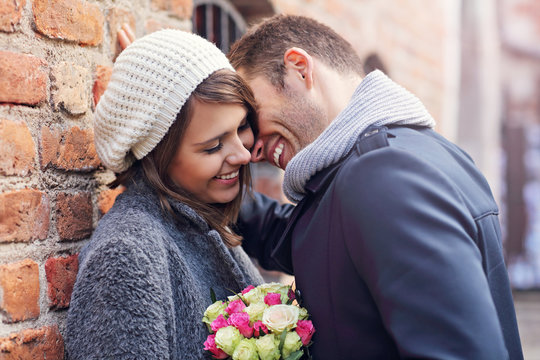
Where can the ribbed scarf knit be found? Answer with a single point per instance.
(377, 101)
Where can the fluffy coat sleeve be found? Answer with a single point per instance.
(121, 306)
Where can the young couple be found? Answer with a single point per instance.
(394, 242)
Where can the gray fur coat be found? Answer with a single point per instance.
(144, 282)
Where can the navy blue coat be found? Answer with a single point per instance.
(397, 252)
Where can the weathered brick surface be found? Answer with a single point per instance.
(33, 344)
(103, 75)
(74, 216)
(71, 149)
(61, 273)
(10, 14)
(107, 197)
(116, 17)
(24, 216)
(20, 287)
(23, 78)
(17, 149)
(71, 88)
(179, 8)
(72, 20)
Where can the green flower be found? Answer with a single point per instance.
(303, 314)
(254, 296)
(292, 343)
(274, 287)
(245, 350)
(268, 347)
(213, 311)
(228, 338)
(255, 311)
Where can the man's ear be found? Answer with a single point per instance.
(300, 63)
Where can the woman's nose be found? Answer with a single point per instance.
(239, 155)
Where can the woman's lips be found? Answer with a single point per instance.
(229, 178)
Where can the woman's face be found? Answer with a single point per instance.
(212, 151)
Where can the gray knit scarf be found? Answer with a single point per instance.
(377, 101)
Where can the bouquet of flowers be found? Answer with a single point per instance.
(266, 322)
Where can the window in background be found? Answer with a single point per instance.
(218, 21)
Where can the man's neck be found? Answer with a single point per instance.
(336, 90)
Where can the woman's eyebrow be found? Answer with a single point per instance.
(212, 139)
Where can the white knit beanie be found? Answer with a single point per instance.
(150, 82)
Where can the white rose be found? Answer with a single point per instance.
(280, 317)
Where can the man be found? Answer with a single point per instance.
(395, 242)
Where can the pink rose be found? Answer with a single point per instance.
(248, 289)
(305, 329)
(219, 323)
(235, 306)
(272, 299)
(291, 294)
(241, 322)
(210, 345)
(259, 328)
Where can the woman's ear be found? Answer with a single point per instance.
(300, 63)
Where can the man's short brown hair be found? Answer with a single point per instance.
(260, 51)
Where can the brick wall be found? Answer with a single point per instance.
(55, 61)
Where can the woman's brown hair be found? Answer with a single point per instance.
(223, 87)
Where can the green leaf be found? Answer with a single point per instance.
(282, 341)
(239, 296)
(295, 355)
(212, 295)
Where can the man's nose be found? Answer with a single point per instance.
(257, 153)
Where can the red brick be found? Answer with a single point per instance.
(24, 216)
(116, 17)
(23, 79)
(107, 197)
(10, 14)
(71, 88)
(17, 148)
(33, 344)
(61, 273)
(20, 288)
(72, 20)
(180, 8)
(71, 149)
(74, 216)
(103, 75)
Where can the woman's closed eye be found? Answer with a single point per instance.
(214, 149)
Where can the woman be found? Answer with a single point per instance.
(175, 125)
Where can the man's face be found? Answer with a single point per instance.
(288, 120)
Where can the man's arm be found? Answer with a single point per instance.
(411, 239)
(262, 222)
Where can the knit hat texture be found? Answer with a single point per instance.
(150, 82)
